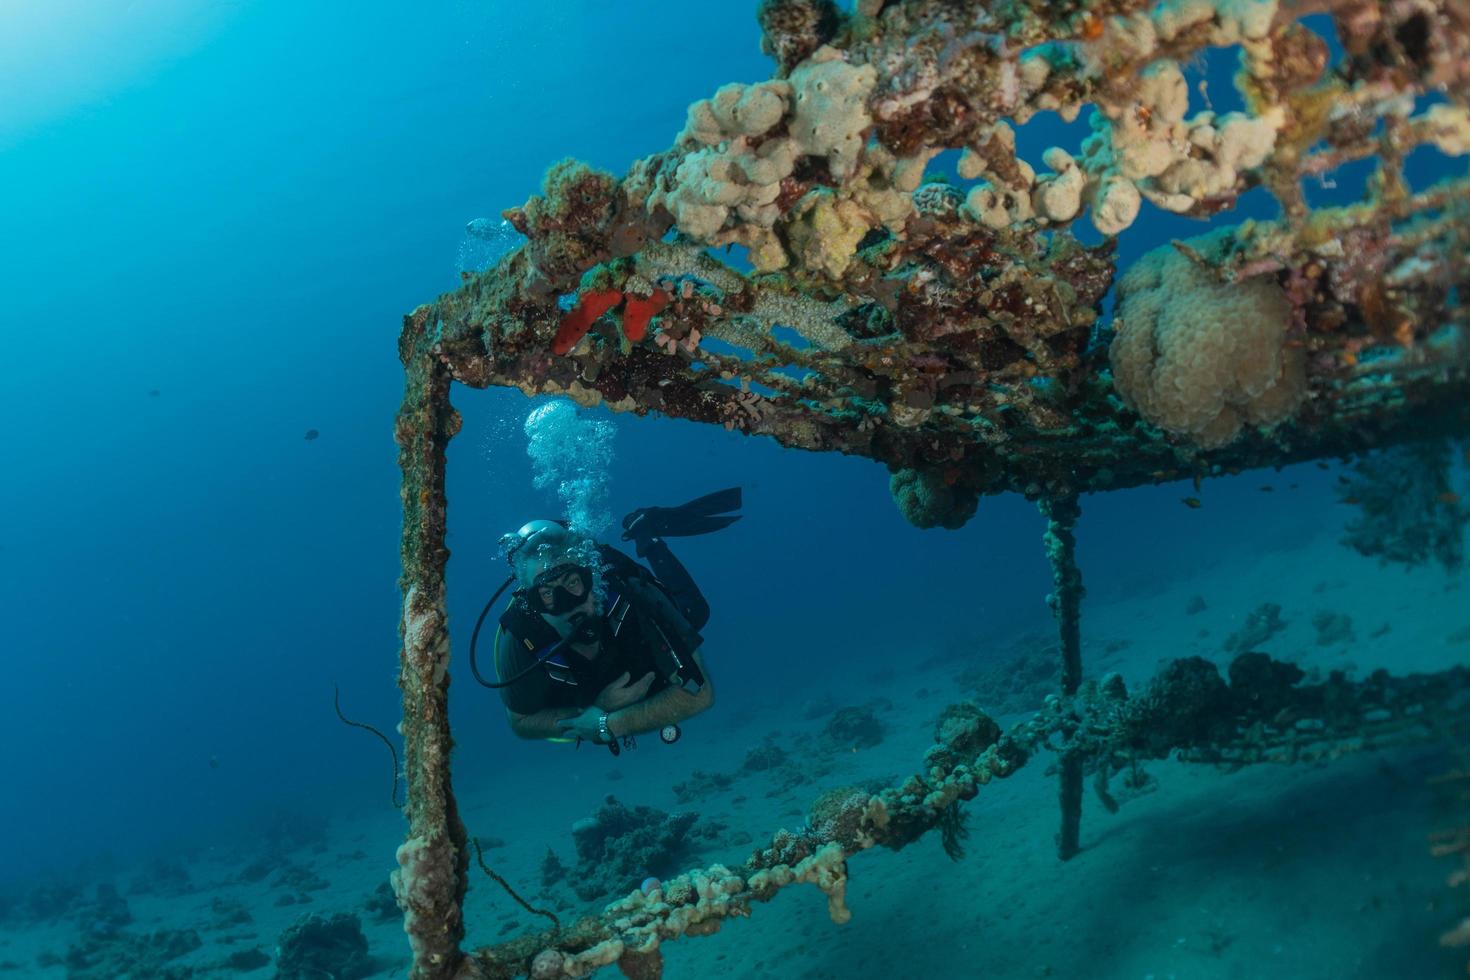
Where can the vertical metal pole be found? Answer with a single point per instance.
(433, 864)
(1061, 515)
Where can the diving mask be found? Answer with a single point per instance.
(568, 587)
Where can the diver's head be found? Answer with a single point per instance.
(554, 569)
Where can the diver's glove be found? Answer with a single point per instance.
(700, 516)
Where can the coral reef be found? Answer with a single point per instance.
(1018, 682)
(107, 956)
(619, 846)
(319, 945)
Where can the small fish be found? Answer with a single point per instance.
(1343, 480)
(154, 392)
(1266, 488)
(1193, 503)
(1322, 466)
(1351, 500)
(1448, 497)
(311, 434)
(214, 762)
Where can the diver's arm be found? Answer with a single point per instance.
(540, 724)
(671, 705)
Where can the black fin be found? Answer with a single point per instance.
(699, 516)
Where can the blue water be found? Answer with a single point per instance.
(213, 216)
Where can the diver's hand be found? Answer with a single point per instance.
(620, 694)
(583, 726)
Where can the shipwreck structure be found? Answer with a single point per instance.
(896, 282)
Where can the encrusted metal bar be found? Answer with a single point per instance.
(1187, 706)
(951, 329)
(430, 880)
(1066, 605)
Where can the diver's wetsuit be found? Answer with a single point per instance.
(666, 614)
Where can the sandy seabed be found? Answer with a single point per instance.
(1291, 872)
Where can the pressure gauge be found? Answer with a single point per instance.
(669, 734)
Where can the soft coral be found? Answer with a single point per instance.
(574, 325)
(637, 311)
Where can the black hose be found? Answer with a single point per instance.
(475, 636)
(337, 703)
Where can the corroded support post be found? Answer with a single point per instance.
(1066, 604)
(430, 881)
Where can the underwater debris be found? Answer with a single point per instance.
(1407, 511)
(955, 337)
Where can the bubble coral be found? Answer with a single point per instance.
(924, 498)
(1199, 357)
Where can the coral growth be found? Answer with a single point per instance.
(927, 501)
(793, 29)
(1199, 357)
(592, 304)
(619, 846)
(1264, 713)
(950, 329)
(1406, 508)
(323, 945)
(579, 219)
(574, 326)
(109, 955)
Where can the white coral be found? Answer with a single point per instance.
(831, 118)
(1200, 358)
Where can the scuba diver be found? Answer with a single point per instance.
(594, 646)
